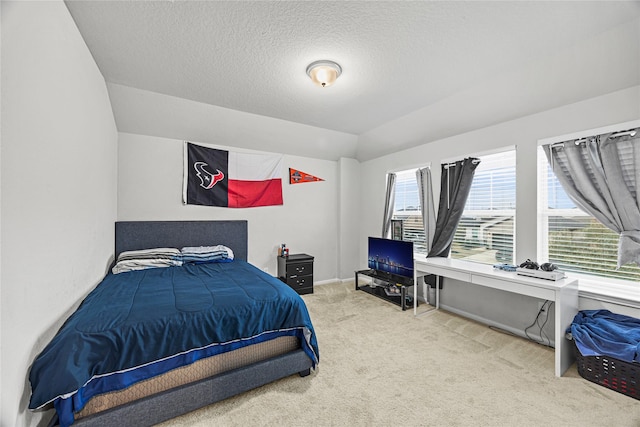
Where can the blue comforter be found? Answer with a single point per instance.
(603, 333)
(135, 325)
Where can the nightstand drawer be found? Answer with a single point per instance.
(302, 285)
(299, 269)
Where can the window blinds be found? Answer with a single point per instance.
(486, 231)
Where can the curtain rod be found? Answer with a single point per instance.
(448, 165)
(630, 132)
(576, 142)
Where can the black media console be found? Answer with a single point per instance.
(388, 283)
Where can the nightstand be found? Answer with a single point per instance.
(296, 270)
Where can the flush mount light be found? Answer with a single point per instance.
(324, 73)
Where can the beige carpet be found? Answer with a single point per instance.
(380, 366)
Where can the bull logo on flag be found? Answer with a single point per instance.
(207, 179)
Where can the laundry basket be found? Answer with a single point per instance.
(607, 350)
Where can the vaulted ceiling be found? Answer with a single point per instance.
(403, 62)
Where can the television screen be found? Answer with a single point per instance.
(393, 257)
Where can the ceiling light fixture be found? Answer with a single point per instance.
(324, 73)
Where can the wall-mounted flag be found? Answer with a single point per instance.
(298, 177)
(215, 177)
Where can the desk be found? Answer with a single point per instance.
(563, 292)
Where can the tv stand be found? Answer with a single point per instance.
(380, 290)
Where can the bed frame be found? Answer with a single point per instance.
(150, 410)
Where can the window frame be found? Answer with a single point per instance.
(607, 289)
(409, 170)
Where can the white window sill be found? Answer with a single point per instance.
(607, 290)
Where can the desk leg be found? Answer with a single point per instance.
(415, 292)
(566, 308)
(438, 281)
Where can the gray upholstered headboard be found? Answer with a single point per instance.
(135, 235)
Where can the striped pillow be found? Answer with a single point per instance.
(147, 258)
(203, 254)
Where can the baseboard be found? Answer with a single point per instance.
(494, 324)
(326, 282)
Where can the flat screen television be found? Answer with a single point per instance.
(391, 259)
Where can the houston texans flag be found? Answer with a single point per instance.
(215, 177)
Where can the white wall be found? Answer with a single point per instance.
(147, 113)
(583, 70)
(348, 217)
(1, 347)
(617, 107)
(58, 189)
(150, 188)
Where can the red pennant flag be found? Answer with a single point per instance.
(299, 177)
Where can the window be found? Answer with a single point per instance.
(407, 209)
(572, 239)
(486, 231)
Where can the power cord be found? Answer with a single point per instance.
(546, 319)
(544, 308)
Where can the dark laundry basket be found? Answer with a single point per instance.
(610, 372)
(602, 334)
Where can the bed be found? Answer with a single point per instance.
(167, 341)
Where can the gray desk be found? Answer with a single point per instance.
(563, 292)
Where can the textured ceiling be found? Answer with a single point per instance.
(397, 57)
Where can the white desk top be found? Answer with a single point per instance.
(477, 269)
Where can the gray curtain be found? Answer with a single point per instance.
(388, 205)
(425, 191)
(601, 175)
(456, 180)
